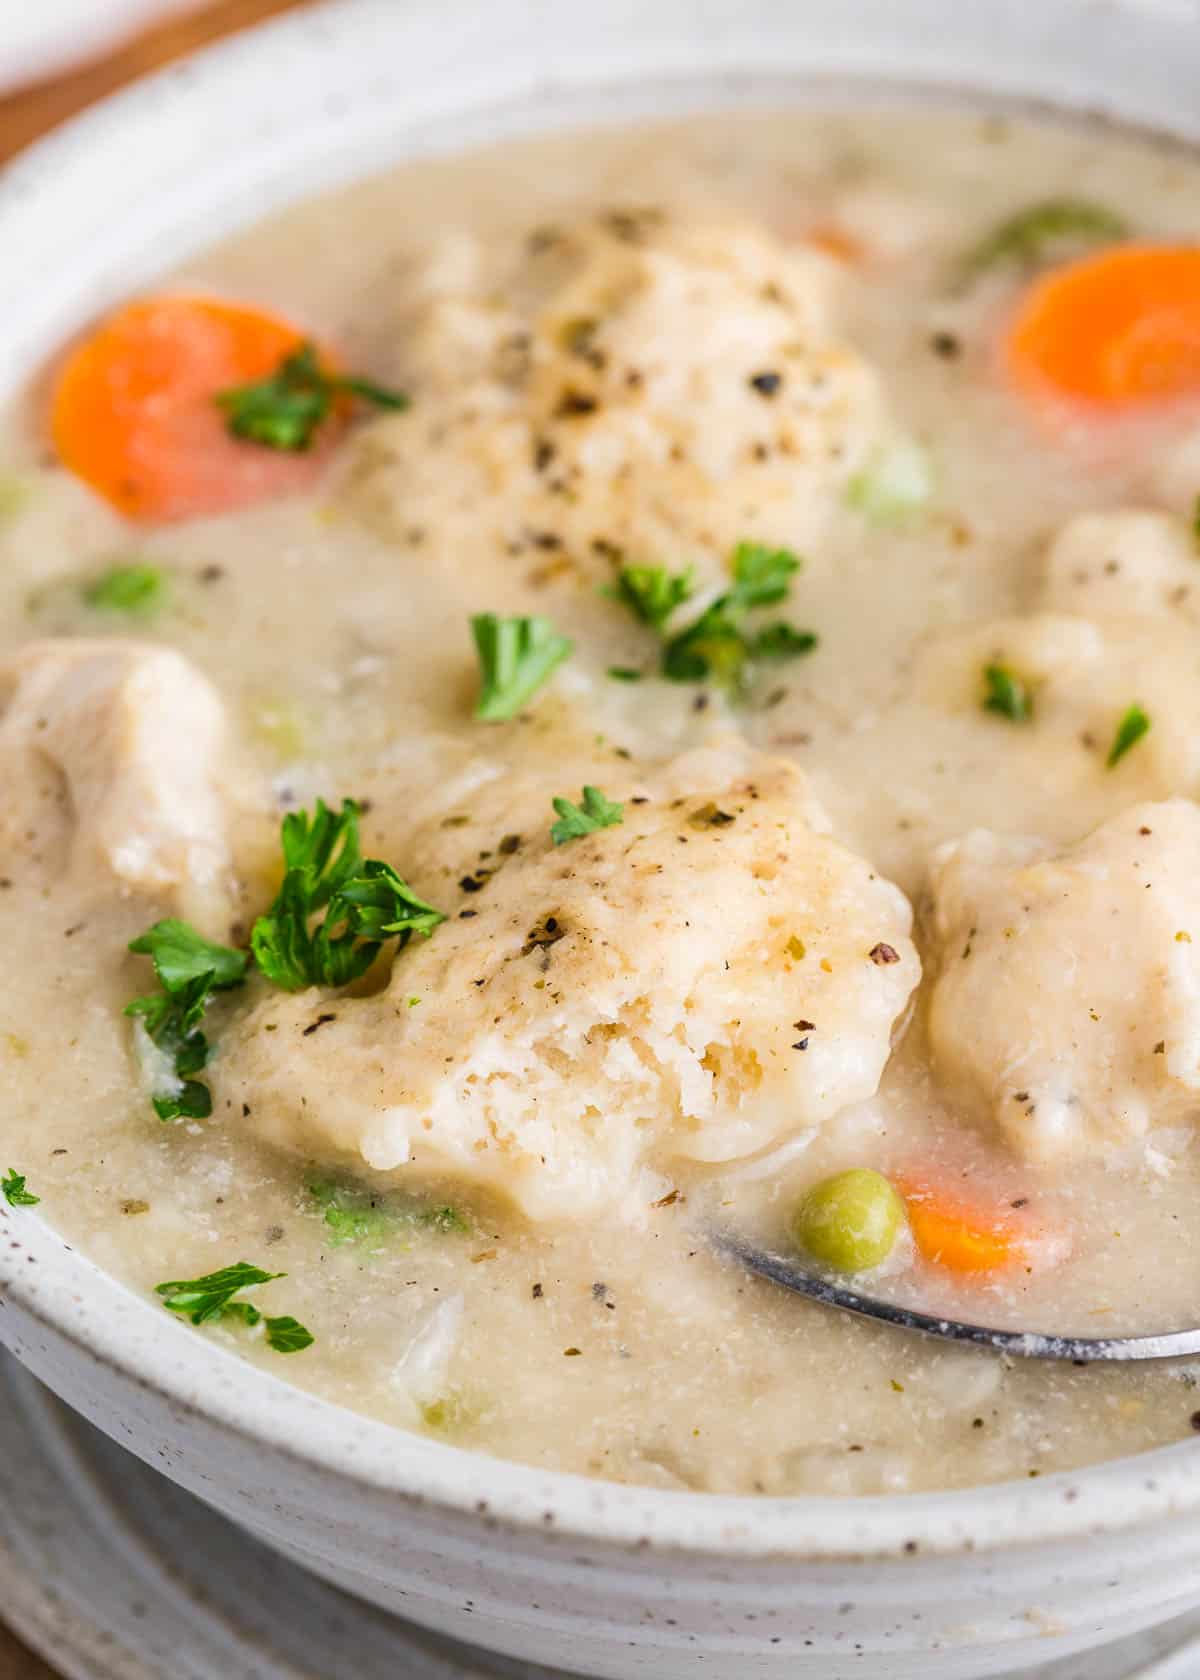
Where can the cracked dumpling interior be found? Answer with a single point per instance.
(1068, 1050)
(710, 976)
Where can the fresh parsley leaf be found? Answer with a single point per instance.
(15, 1193)
(651, 592)
(381, 395)
(285, 410)
(762, 576)
(365, 904)
(595, 812)
(1025, 238)
(287, 1335)
(280, 939)
(379, 905)
(213, 1296)
(624, 673)
(1007, 694)
(1196, 522)
(172, 1017)
(193, 1101)
(207, 1297)
(137, 590)
(712, 649)
(781, 641)
(516, 656)
(716, 647)
(182, 956)
(1133, 725)
(189, 969)
(324, 846)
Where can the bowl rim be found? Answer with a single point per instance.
(68, 1296)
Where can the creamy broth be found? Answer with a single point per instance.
(334, 627)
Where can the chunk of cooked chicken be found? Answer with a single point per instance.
(109, 754)
(1068, 999)
(711, 974)
(630, 386)
(1123, 563)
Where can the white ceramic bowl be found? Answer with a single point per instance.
(592, 1577)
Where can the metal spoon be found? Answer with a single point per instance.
(1022, 1344)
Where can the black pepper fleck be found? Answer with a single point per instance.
(766, 384)
(946, 344)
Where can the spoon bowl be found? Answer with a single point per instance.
(1020, 1344)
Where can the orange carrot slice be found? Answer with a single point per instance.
(963, 1236)
(1119, 330)
(134, 409)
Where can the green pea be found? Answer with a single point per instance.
(850, 1221)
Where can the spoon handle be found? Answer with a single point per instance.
(1021, 1344)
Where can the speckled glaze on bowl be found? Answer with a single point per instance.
(583, 1575)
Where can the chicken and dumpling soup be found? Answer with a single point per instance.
(565, 700)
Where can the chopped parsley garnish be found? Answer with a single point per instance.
(15, 1193)
(213, 1296)
(365, 903)
(138, 590)
(651, 592)
(574, 821)
(1007, 694)
(516, 656)
(285, 410)
(624, 673)
(1026, 238)
(189, 969)
(1133, 725)
(1196, 522)
(717, 647)
(181, 955)
(781, 641)
(761, 576)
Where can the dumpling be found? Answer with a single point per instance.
(711, 975)
(631, 387)
(1067, 1005)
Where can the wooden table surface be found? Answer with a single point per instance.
(23, 116)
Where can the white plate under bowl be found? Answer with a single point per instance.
(112, 1573)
